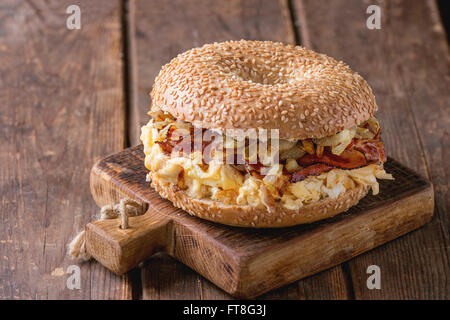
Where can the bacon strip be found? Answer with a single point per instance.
(182, 144)
(373, 149)
(348, 159)
(359, 153)
(313, 170)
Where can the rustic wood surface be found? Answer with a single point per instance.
(242, 261)
(62, 108)
(71, 97)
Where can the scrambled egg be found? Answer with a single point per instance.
(222, 182)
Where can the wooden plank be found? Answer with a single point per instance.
(161, 30)
(316, 287)
(180, 279)
(246, 262)
(405, 62)
(61, 109)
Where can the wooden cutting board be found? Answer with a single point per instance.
(247, 262)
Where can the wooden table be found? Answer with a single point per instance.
(70, 97)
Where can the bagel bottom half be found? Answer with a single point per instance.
(258, 217)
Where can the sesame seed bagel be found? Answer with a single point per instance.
(258, 217)
(263, 85)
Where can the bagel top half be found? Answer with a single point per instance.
(263, 85)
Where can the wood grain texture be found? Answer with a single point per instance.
(406, 63)
(61, 108)
(242, 261)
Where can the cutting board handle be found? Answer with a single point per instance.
(120, 250)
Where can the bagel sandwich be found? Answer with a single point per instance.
(262, 134)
